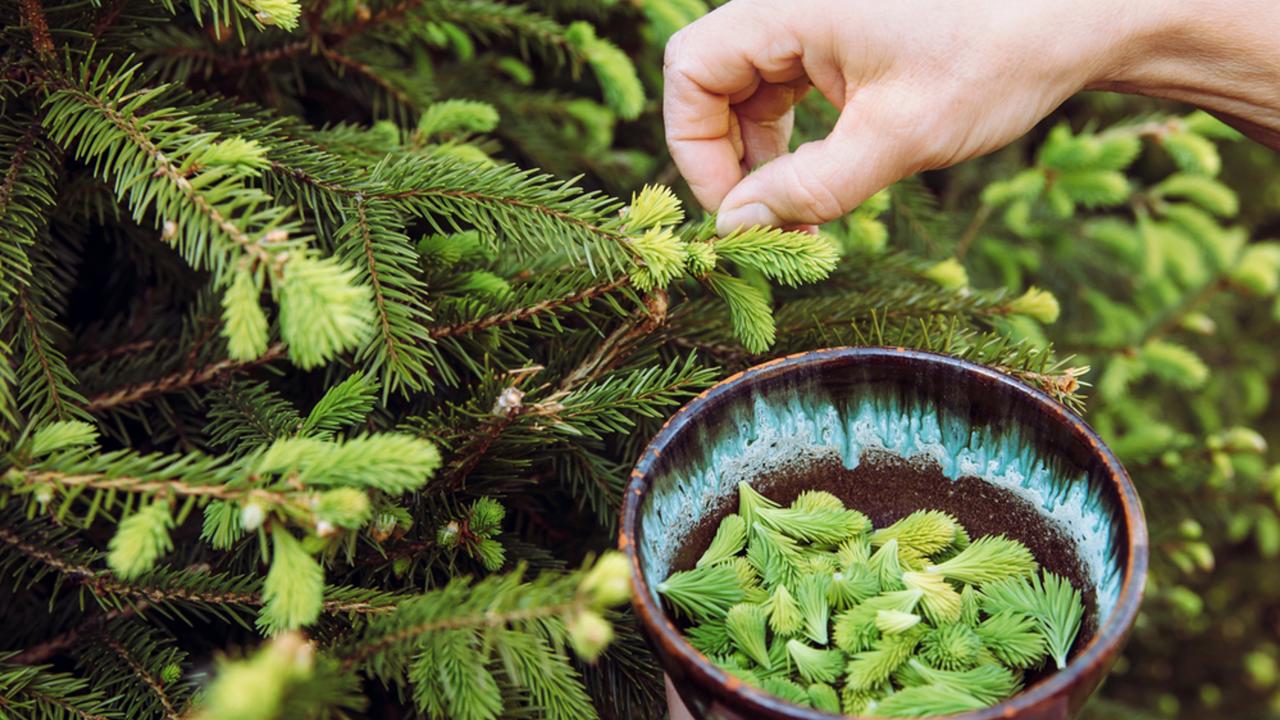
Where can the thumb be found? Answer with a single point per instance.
(817, 183)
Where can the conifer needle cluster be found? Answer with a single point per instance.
(809, 603)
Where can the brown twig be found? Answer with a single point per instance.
(471, 454)
(379, 299)
(108, 18)
(487, 620)
(179, 380)
(23, 146)
(168, 486)
(157, 687)
(369, 73)
(59, 643)
(525, 313)
(129, 348)
(33, 18)
(106, 584)
(242, 61)
(611, 351)
(39, 350)
(971, 232)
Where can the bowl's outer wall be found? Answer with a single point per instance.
(987, 396)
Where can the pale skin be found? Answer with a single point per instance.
(924, 84)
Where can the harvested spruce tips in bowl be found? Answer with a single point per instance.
(915, 535)
(812, 604)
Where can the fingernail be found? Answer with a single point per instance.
(746, 216)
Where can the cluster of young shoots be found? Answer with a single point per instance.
(812, 604)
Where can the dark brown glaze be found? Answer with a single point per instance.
(986, 396)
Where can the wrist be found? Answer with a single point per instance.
(1087, 44)
(1142, 39)
(1218, 54)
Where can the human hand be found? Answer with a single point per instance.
(920, 85)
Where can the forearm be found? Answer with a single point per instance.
(1221, 55)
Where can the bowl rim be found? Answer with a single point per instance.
(1100, 648)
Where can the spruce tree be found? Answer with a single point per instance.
(329, 330)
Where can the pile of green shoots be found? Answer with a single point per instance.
(811, 604)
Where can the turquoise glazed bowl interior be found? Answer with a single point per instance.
(890, 431)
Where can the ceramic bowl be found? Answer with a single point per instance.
(890, 431)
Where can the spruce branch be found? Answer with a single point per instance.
(545, 307)
(33, 17)
(170, 487)
(153, 683)
(26, 194)
(619, 343)
(88, 357)
(611, 404)
(322, 486)
(31, 691)
(200, 192)
(486, 619)
(400, 351)
(371, 74)
(522, 623)
(506, 409)
(584, 405)
(60, 643)
(246, 415)
(502, 196)
(92, 94)
(118, 594)
(49, 385)
(34, 378)
(179, 381)
(164, 588)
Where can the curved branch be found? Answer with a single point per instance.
(102, 583)
(525, 313)
(166, 169)
(157, 687)
(477, 620)
(179, 381)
